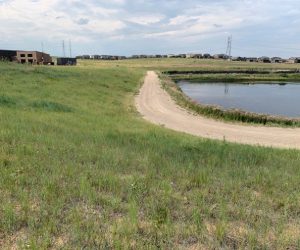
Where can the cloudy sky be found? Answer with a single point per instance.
(126, 27)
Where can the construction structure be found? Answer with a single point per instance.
(8, 55)
(66, 61)
(33, 57)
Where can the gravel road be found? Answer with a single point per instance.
(156, 106)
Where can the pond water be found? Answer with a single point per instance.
(267, 98)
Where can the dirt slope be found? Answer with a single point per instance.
(157, 107)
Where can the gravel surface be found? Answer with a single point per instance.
(156, 106)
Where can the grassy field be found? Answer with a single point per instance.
(80, 169)
(187, 64)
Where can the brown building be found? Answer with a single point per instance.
(34, 57)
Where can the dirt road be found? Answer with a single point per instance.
(157, 107)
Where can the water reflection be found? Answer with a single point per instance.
(269, 98)
(226, 91)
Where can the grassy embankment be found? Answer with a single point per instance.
(79, 168)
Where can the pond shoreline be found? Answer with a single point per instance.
(216, 112)
(249, 72)
(268, 99)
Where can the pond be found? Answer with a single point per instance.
(280, 99)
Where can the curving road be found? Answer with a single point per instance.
(157, 107)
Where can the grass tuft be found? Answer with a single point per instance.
(7, 101)
(51, 106)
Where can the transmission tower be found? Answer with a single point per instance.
(229, 47)
(70, 47)
(63, 47)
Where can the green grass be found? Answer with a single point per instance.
(79, 168)
(172, 64)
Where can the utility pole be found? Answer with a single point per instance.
(229, 47)
(70, 47)
(63, 47)
(42, 43)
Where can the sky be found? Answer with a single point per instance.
(127, 27)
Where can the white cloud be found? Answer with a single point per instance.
(47, 20)
(211, 18)
(104, 26)
(145, 19)
(178, 20)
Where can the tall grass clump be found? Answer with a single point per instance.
(7, 101)
(51, 106)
